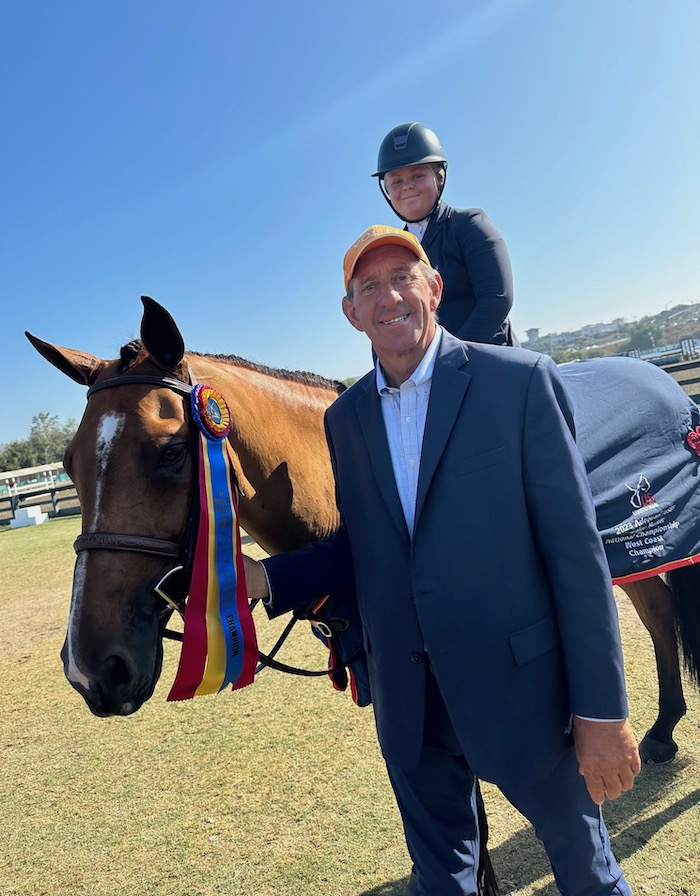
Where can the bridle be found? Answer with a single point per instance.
(141, 544)
(182, 551)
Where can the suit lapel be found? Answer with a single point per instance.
(433, 228)
(369, 411)
(449, 386)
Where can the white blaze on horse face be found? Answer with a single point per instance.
(108, 430)
(73, 673)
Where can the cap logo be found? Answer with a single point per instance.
(371, 234)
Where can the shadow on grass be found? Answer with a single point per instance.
(629, 834)
(521, 861)
(395, 888)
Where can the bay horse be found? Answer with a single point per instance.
(132, 464)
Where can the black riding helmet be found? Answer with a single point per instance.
(410, 144)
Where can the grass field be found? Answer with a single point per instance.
(278, 790)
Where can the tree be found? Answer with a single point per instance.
(564, 355)
(643, 334)
(15, 456)
(47, 443)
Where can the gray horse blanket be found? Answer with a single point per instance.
(639, 434)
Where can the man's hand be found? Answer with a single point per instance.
(608, 757)
(255, 578)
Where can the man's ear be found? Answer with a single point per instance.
(350, 312)
(437, 290)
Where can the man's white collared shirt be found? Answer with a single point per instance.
(405, 410)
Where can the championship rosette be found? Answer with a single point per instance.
(219, 646)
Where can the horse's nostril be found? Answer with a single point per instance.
(116, 672)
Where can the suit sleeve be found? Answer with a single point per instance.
(309, 573)
(485, 257)
(563, 518)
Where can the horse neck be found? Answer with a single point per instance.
(278, 438)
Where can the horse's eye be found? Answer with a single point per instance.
(172, 455)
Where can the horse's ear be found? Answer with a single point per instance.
(160, 335)
(79, 366)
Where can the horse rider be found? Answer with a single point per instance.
(462, 243)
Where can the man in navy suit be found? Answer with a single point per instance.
(490, 627)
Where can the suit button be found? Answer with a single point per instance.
(417, 657)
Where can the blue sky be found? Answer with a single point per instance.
(216, 156)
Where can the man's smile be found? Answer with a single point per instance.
(394, 320)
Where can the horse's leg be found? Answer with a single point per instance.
(654, 602)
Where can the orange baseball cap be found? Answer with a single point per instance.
(379, 235)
